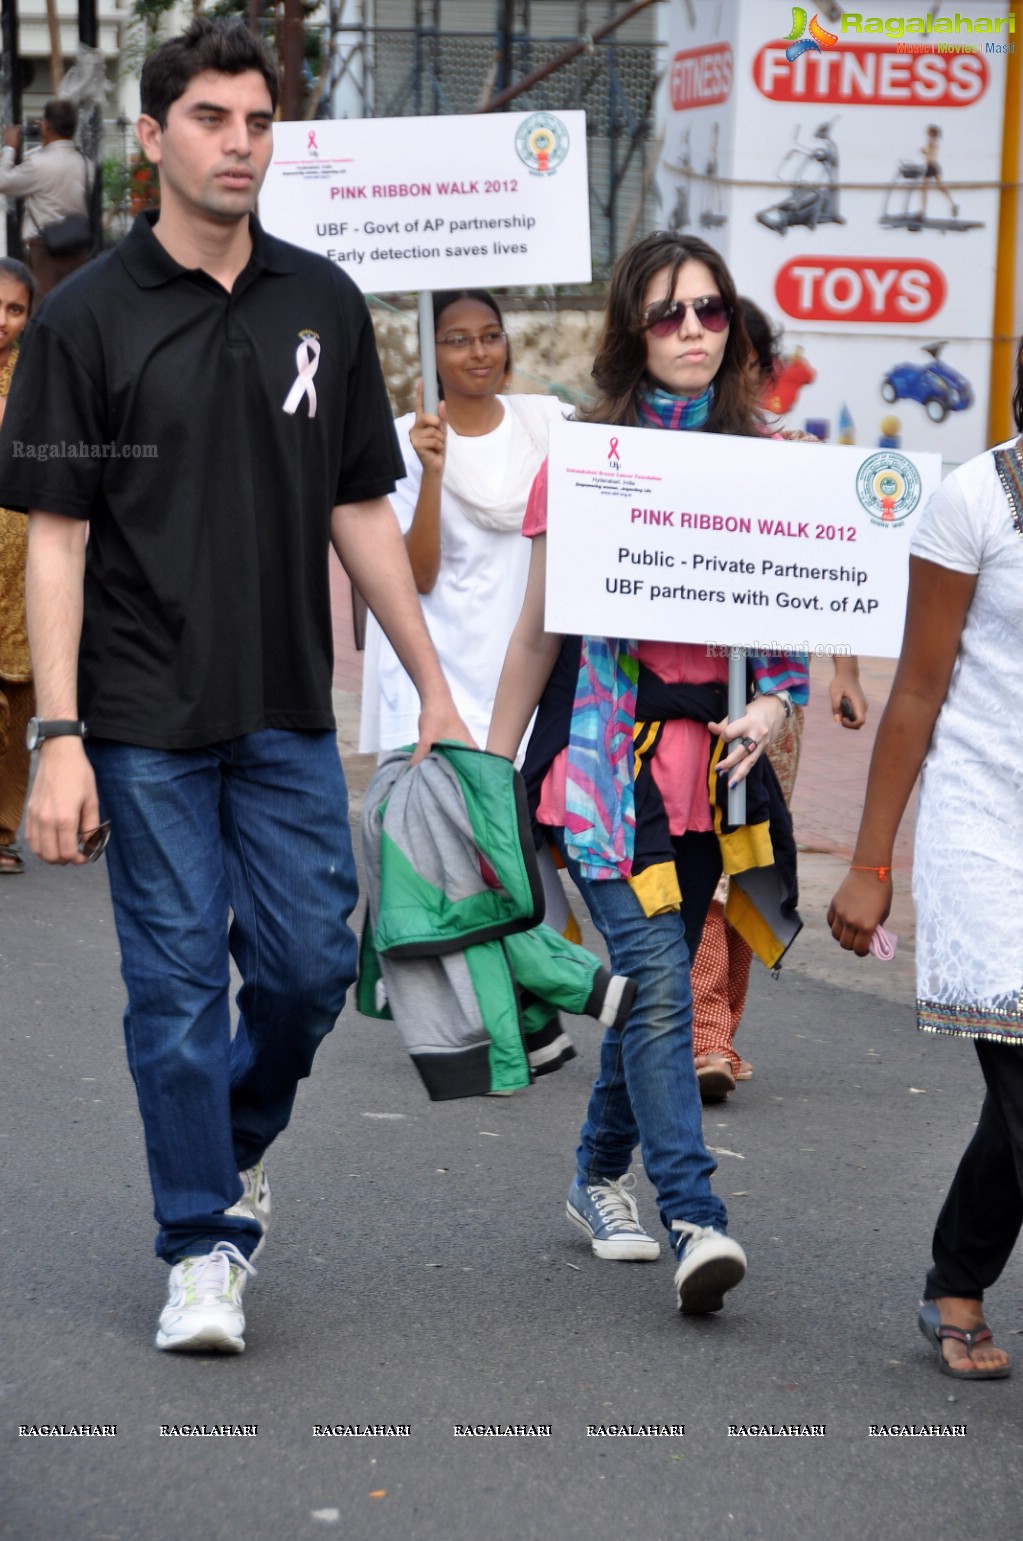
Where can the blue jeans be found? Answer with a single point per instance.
(240, 847)
(646, 1092)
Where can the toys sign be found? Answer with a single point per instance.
(880, 289)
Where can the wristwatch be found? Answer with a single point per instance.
(38, 730)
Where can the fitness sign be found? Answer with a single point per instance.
(731, 542)
(405, 204)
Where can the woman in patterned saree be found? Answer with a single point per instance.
(17, 287)
(950, 712)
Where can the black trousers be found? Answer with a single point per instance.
(698, 860)
(981, 1217)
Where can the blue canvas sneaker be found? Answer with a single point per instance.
(607, 1212)
(709, 1263)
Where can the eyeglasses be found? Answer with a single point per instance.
(93, 842)
(459, 341)
(710, 311)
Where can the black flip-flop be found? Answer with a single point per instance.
(929, 1322)
(11, 863)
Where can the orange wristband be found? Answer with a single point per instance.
(881, 872)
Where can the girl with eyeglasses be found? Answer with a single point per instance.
(469, 468)
(674, 356)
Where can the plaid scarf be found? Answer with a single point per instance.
(659, 408)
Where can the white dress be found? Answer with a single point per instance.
(968, 861)
(473, 606)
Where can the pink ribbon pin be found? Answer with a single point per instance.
(307, 361)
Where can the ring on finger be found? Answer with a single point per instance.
(749, 744)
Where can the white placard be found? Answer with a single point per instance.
(405, 204)
(732, 542)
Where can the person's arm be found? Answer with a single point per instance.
(939, 599)
(368, 541)
(16, 181)
(845, 682)
(63, 800)
(428, 437)
(531, 656)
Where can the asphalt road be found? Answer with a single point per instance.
(421, 1272)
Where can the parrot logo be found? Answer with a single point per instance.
(798, 44)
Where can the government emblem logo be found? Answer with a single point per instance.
(888, 486)
(541, 143)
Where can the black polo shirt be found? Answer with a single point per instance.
(206, 437)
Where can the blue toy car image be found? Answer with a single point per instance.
(937, 386)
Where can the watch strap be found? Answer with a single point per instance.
(42, 728)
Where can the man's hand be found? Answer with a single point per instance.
(12, 138)
(439, 720)
(63, 802)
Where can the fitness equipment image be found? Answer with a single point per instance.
(905, 203)
(812, 172)
(711, 211)
(683, 169)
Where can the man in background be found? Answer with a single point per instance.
(54, 184)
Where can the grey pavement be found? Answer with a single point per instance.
(420, 1271)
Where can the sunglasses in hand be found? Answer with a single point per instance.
(93, 842)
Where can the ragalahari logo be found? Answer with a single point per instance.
(798, 44)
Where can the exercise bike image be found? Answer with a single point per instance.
(812, 172)
(683, 169)
(712, 213)
(905, 204)
(938, 387)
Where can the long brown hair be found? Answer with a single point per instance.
(620, 364)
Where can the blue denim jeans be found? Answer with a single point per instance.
(646, 1092)
(240, 847)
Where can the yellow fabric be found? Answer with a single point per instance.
(747, 846)
(657, 889)
(756, 932)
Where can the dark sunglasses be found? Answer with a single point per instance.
(93, 842)
(710, 311)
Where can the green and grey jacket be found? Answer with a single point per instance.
(452, 947)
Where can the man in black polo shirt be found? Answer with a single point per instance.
(194, 419)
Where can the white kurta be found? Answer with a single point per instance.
(473, 607)
(968, 862)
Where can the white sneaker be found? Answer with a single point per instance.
(708, 1265)
(204, 1312)
(254, 1203)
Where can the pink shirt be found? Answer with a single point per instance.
(680, 761)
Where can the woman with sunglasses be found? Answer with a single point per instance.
(17, 287)
(721, 967)
(469, 468)
(673, 357)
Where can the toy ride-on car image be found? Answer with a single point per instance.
(937, 386)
